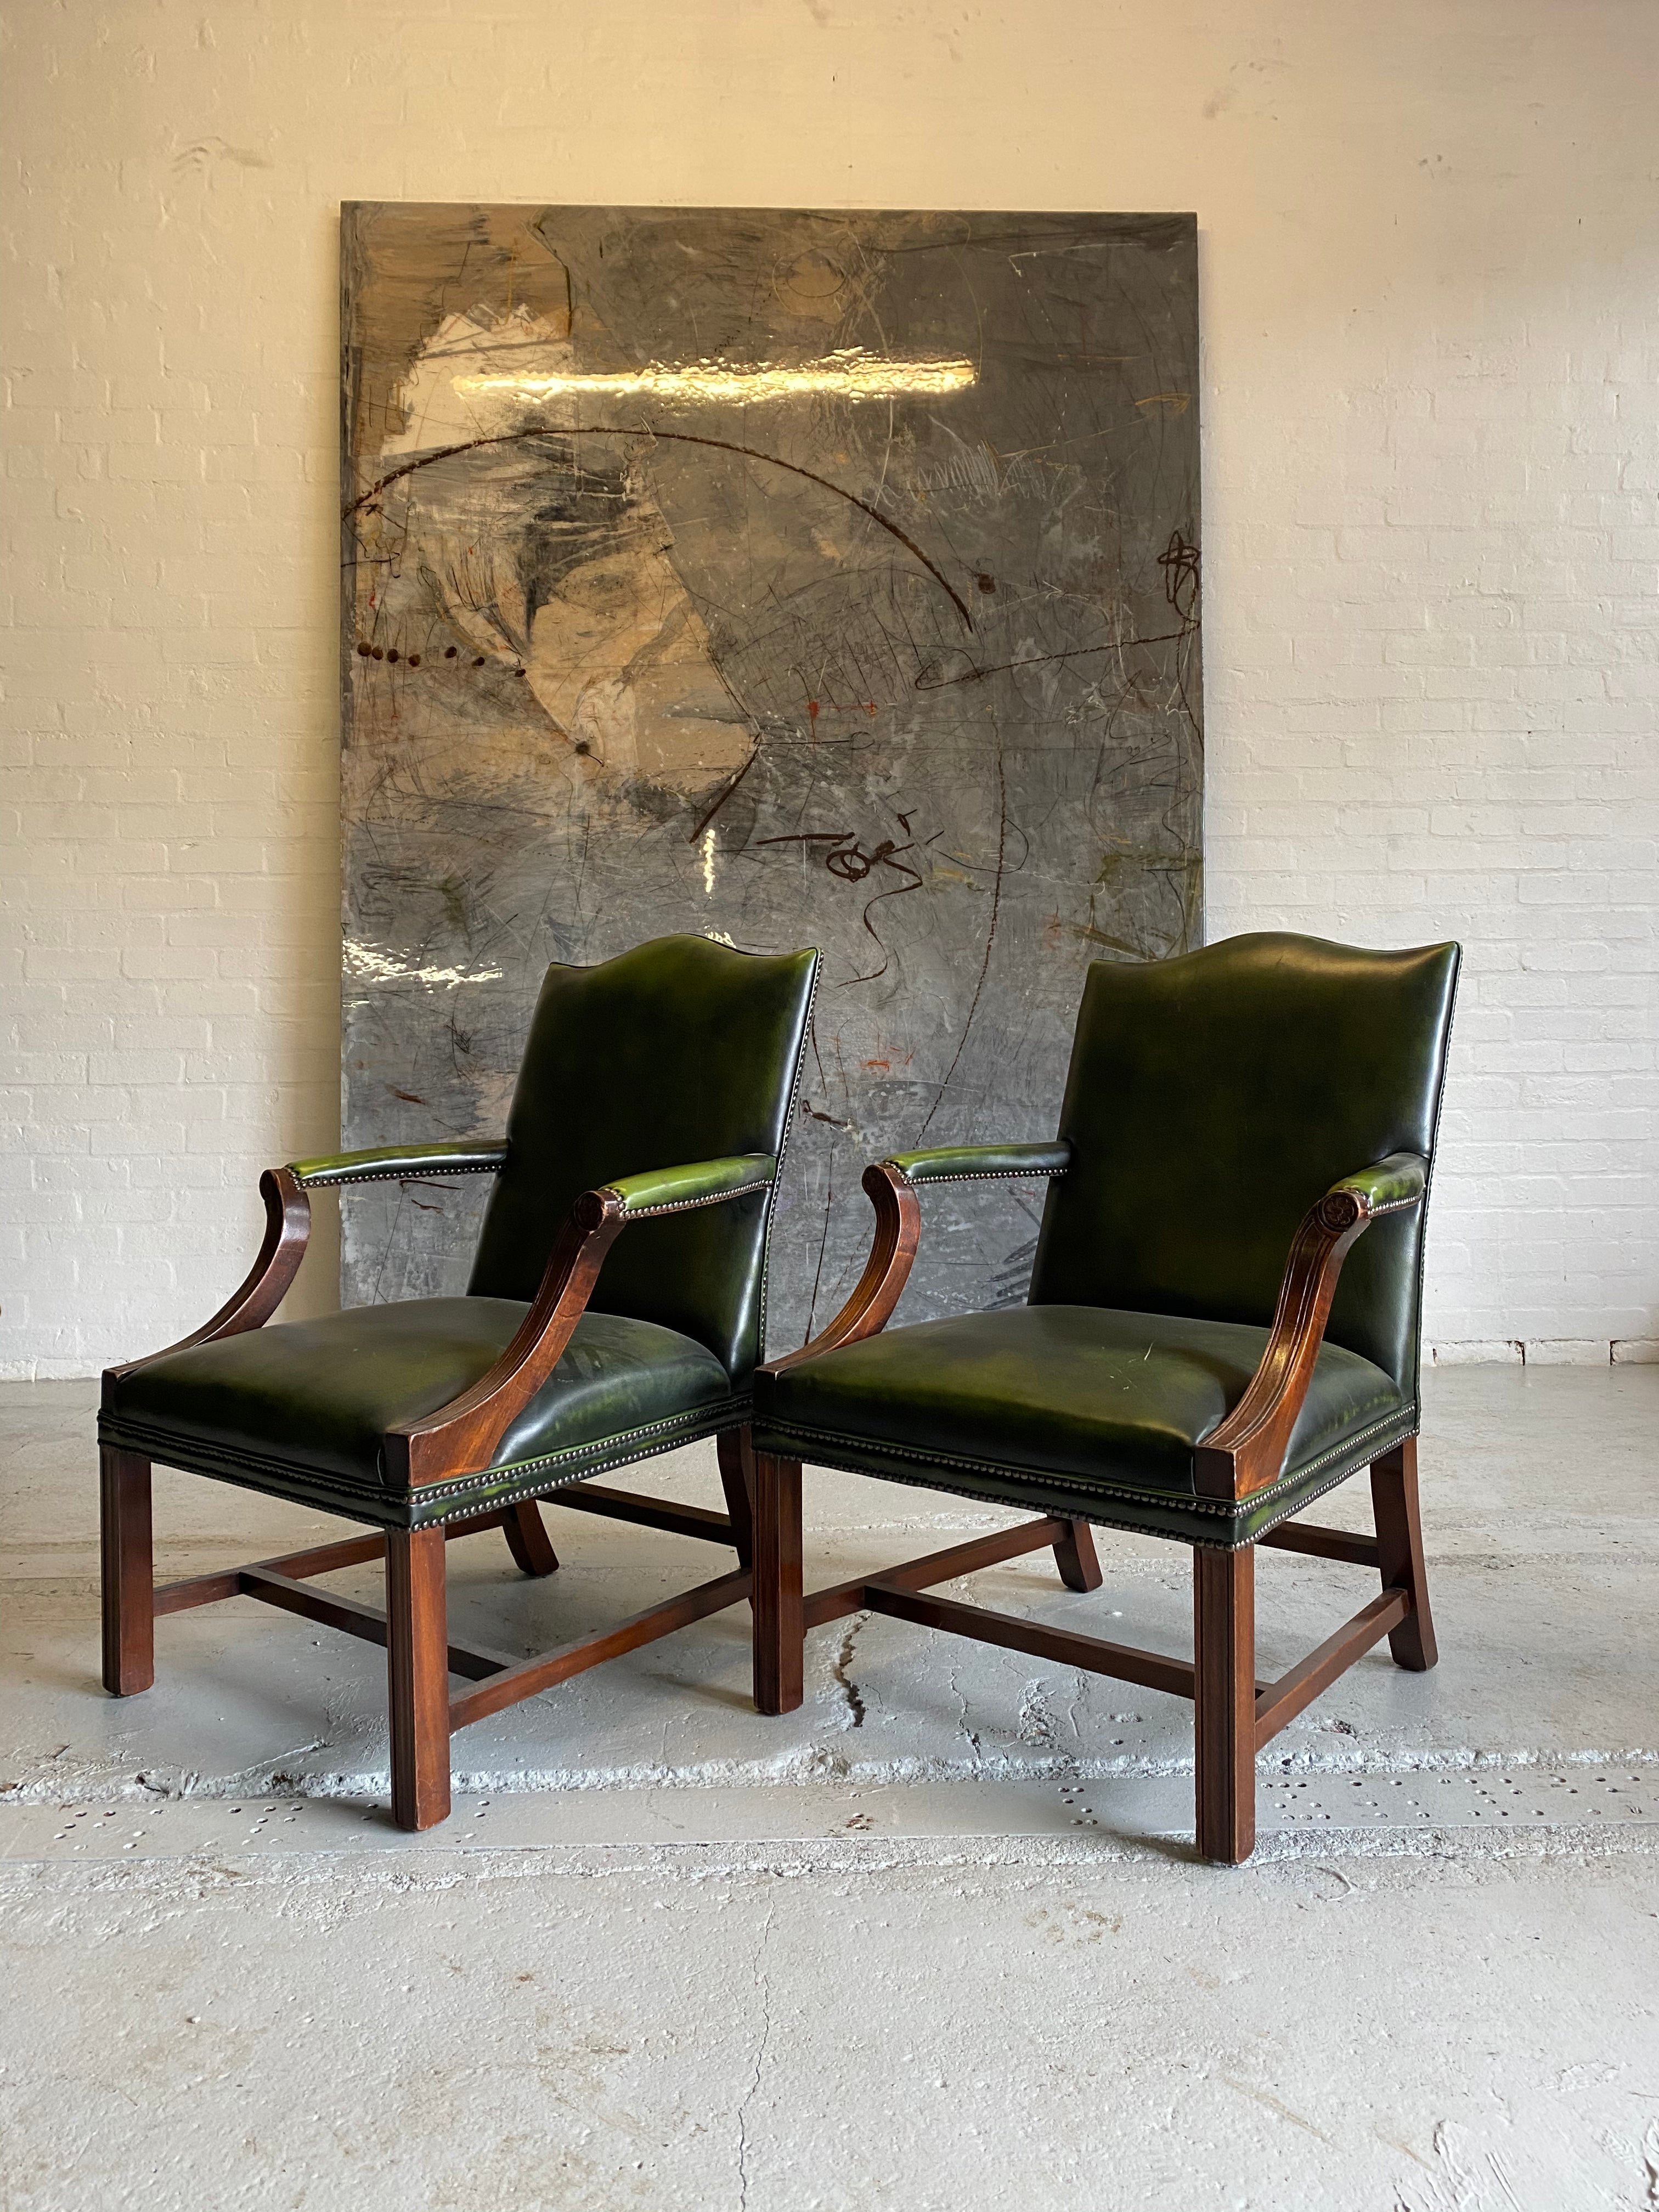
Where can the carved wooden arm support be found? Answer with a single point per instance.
(891, 1186)
(288, 1224)
(463, 1436)
(892, 1254)
(1247, 1453)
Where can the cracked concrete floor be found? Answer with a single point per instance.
(938, 1940)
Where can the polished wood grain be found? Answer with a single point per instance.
(1353, 1550)
(1247, 1452)
(1282, 1701)
(839, 1599)
(457, 1440)
(527, 1538)
(644, 1512)
(780, 1624)
(1243, 1456)
(736, 1454)
(417, 1676)
(1400, 1554)
(530, 1676)
(462, 1435)
(417, 1585)
(316, 1559)
(129, 1609)
(297, 1566)
(331, 1610)
(1223, 1712)
(204, 1590)
(1064, 1646)
(1074, 1555)
(1235, 1713)
(878, 1289)
(261, 1290)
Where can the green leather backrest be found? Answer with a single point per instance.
(679, 1051)
(1213, 1098)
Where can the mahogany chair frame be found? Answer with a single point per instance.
(1235, 1715)
(457, 1440)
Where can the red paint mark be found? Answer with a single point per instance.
(812, 709)
(885, 1065)
(869, 705)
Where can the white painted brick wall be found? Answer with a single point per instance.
(1431, 244)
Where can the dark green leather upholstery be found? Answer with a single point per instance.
(666, 1074)
(1082, 1410)
(382, 1162)
(672, 1190)
(981, 1162)
(680, 1051)
(1211, 1100)
(302, 1407)
(1388, 1186)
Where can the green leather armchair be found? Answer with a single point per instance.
(1222, 1324)
(655, 1097)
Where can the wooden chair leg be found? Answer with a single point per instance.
(735, 1456)
(1224, 1624)
(128, 1577)
(527, 1538)
(780, 1630)
(1074, 1555)
(417, 1675)
(1399, 1553)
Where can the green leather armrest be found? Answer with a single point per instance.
(1389, 1185)
(702, 1182)
(476, 1155)
(972, 1162)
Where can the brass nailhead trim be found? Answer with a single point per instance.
(692, 1205)
(395, 1174)
(1224, 1508)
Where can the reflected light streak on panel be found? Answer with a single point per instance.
(849, 375)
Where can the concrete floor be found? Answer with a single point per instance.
(937, 1940)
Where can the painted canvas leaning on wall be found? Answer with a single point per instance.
(783, 576)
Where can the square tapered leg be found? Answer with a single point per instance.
(417, 1673)
(527, 1538)
(780, 1632)
(737, 1459)
(128, 1582)
(1224, 1622)
(1400, 1554)
(1074, 1555)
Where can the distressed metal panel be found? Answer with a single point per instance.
(795, 577)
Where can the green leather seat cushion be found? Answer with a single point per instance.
(1107, 1401)
(320, 1394)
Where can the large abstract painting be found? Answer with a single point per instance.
(792, 577)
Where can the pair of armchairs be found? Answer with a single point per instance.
(1173, 1371)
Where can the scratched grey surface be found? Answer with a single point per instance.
(913, 676)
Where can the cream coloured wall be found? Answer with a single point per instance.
(1430, 262)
